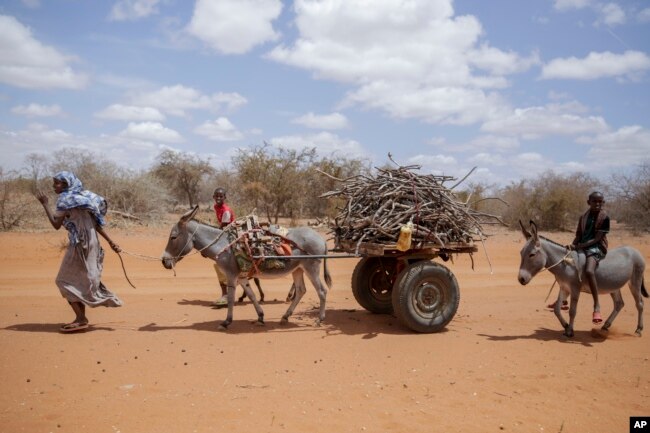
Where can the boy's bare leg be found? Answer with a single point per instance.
(590, 273)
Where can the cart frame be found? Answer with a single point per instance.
(424, 295)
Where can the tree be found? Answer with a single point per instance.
(36, 169)
(631, 197)
(552, 200)
(271, 179)
(134, 194)
(318, 183)
(183, 174)
(14, 201)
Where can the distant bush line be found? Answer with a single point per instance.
(279, 183)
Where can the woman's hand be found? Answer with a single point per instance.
(40, 196)
(115, 247)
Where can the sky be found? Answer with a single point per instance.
(513, 88)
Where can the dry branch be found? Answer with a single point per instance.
(376, 207)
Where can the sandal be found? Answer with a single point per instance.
(221, 302)
(73, 327)
(596, 317)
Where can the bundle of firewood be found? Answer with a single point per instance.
(377, 207)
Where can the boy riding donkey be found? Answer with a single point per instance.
(591, 239)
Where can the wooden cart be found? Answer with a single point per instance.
(423, 294)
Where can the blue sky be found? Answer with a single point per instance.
(511, 87)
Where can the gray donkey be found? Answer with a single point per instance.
(621, 265)
(188, 234)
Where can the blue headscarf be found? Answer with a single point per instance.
(75, 196)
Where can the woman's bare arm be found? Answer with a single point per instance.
(105, 235)
(56, 221)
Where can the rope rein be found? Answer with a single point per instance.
(190, 239)
(565, 259)
(146, 257)
(558, 262)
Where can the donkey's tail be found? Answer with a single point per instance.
(328, 277)
(644, 292)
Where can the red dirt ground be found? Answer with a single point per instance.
(159, 364)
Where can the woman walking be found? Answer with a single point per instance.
(82, 213)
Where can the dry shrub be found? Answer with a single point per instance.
(553, 201)
(631, 198)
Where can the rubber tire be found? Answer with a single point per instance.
(369, 288)
(435, 286)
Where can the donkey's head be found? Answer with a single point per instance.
(180, 240)
(533, 257)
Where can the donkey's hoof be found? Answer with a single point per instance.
(259, 322)
(638, 332)
(223, 326)
(568, 333)
(284, 321)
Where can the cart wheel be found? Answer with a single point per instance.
(372, 283)
(425, 296)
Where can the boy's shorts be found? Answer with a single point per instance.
(594, 252)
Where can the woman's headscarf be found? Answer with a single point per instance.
(75, 196)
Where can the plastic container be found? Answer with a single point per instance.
(404, 240)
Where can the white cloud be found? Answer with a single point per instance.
(597, 65)
(131, 10)
(493, 143)
(177, 100)
(450, 105)
(26, 62)
(410, 59)
(122, 82)
(235, 26)
(437, 164)
(228, 101)
(47, 134)
(563, 5)
(500, 62)
(611, 14)
(484, 159)
(124, 151)
(151, 131)
(130, 112)
(535, 122)
(322, 121)
(219, 130)
(626, 146)
(644, 16)
(36, 138)
(37, 110)
(325, 143)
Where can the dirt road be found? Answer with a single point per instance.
(159, 364)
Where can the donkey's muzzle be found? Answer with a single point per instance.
(523, 278)
(167, 263)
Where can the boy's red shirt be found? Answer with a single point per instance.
(220, 211)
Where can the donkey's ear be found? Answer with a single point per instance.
(526, 233)
(189, 214)
(533, 231)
